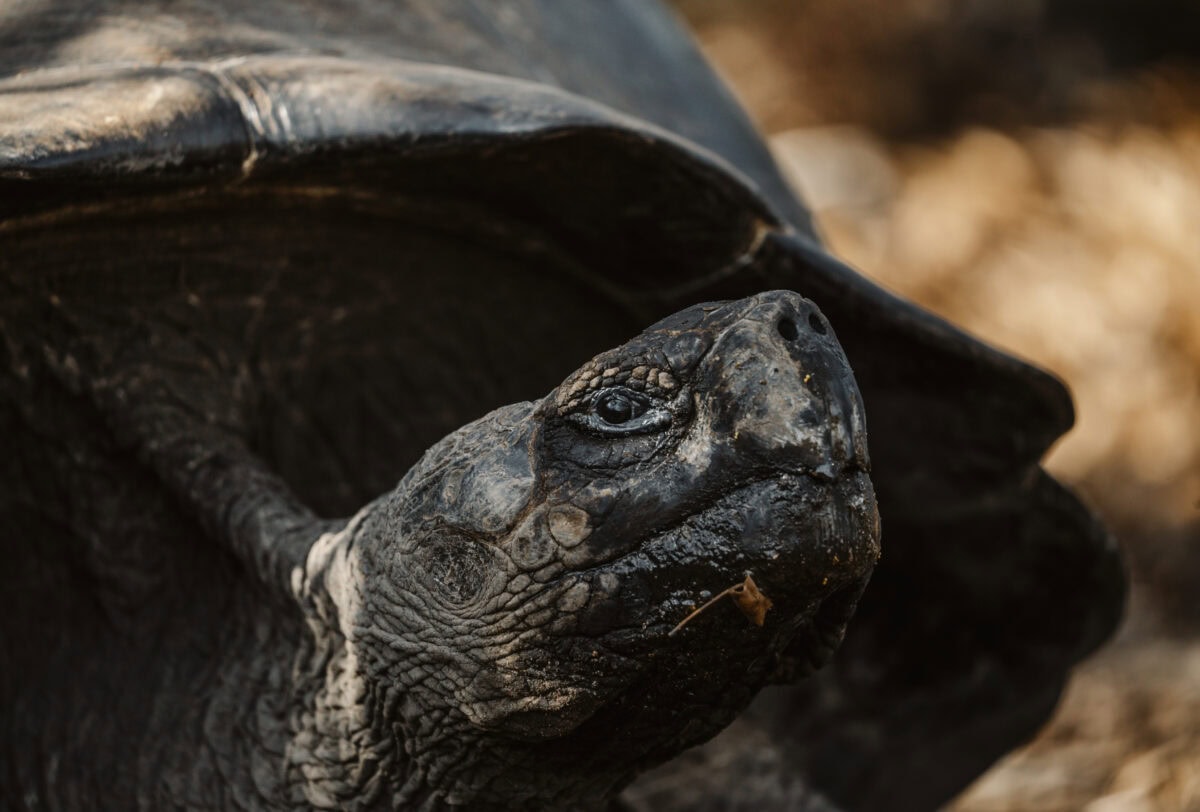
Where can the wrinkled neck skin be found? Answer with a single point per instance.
(497, 631)
(384, 686)
(376, 729)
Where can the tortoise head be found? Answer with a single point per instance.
(525, 577)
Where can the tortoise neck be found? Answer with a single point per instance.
(376, 722)
(339, 752)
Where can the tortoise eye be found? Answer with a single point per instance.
(617, 407)
(618, 412)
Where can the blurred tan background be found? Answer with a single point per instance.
(1030, 169)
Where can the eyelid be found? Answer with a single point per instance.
(655, 418)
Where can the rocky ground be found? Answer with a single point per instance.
(1031, 170)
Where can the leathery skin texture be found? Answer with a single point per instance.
(495, 633)
(501, 619)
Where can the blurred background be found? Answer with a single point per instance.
(1030, 169)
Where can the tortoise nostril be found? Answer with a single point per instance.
(787, 328)
(815, 322)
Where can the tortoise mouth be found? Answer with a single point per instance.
(800, 538)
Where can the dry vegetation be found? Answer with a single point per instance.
(1033, 173)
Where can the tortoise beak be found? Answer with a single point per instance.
(788, 399)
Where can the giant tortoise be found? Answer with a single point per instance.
(260, 262)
